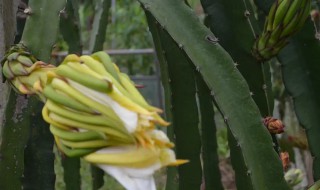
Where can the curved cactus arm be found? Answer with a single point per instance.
(210, 157)
(184, 111)
(233, 24)
(70, 27)
(228, 88)
(39, 35)
(243, 181)
(300, 71)
(11, 149)
(99, 27)
(228, 19)
(172, 173)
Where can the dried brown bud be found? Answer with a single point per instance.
(299, 141)
(274, 125)
(314, 15)
(284, 156)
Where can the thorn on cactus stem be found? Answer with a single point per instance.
(246, 13)
(63, 13)
(212, 39)
(27, 11)
(264, 87)
(284, 156)
(274, 126)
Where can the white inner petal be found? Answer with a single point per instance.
(129, 118)
(131, 178)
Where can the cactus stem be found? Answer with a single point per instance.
(247, 15)
(264, 87)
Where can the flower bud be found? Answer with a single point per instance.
(275, 126)
(284, 156)
(293, 177)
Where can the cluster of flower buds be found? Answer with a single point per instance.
(25, 74)
(285, 18)
(96, 112)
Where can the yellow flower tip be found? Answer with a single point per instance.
(23, 89)
(37, 86)
(158, 110)
(157, 119)
(71, 58)
(170, 145)
(51, 74)
(178, 162)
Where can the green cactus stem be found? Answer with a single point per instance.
(184, 111)
(211, 171)
(172, 174)
(228, 88)
(70, 27)
(300, 71)
(39, 35)
(228, 19)
(243, 181)
(99, 26)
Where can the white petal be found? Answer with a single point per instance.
(129, 118)
(132, 178)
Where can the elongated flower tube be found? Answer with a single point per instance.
(285, 18)
(96, 112)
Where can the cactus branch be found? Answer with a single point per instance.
(223, 79)
(184, 111)
(172, 173)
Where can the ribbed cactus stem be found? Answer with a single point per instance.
(215, 64)
(210, 157)
(101, 18)
(172, 173)
(184, 110)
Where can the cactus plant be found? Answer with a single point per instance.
(96, 113)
